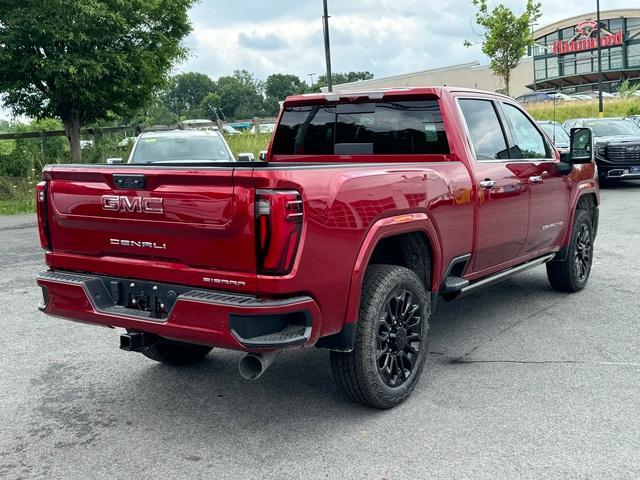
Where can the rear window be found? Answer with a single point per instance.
(403, 127)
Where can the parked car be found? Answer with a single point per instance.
(265, 128)
(581, 96)
(229, 130)
(198, 123)
(557, 134)
(368, 212)
(617, 145)
(557, 96)
(534, 97)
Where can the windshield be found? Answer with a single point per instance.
(555, 132)
(607, 128)
(181, 149)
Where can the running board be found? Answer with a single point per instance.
(503, 275)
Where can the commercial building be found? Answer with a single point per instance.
(564, 58)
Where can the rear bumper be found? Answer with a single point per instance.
(206, 317)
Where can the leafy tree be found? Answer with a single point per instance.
(506, 35)
(186, 93)
(82, 61)
(240, 95)
(279, 86)
(341, 78)
(209, 106)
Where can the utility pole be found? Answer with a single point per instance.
(311, 75)
(600, 108)
(327, 45)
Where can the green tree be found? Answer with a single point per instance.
(209, 106)
(506, 35)
(240, 95)
(82, 61)
(186, 93)
(342, 78)
(279, 86)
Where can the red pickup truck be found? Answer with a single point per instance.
(369, 209)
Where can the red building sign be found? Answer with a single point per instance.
(586, 38)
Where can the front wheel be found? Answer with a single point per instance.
(571, 275)
(391, 339)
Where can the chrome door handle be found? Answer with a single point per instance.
(488, 184)
(536, 179)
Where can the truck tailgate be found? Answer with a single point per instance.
(191, 218)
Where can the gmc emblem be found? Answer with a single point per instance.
(117, 203)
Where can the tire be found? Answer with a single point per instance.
(367, 374)
(571, 275)
(176, 353)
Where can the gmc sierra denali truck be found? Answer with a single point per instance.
(369, 209)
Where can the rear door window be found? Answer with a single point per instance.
(484, 129)
(401, 127)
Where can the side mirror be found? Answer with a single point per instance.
(114, 161)
(581, 149)
(262, 156)
(246, 157)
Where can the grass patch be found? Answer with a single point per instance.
(16, 196)
(248, 143)
(613, 107)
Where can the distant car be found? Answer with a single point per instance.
(561, 96)
(229, 130)
(617, 145)
(534, 97)
(581, 96)
(199, 123)
(265, 128)
(557, 134)
(181, 146)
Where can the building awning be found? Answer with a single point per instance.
(583, 79)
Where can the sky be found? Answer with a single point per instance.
(385, 37)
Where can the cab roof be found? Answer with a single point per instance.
(379, 94)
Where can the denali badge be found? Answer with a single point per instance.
(117, 203)
(633, 149)
(133, 243)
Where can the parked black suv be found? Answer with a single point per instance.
(617, 145)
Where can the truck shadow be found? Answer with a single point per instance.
(297, 395)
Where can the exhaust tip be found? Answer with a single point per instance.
(250, 367)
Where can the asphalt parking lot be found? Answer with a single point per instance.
(522, 382)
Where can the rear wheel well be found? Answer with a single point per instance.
(411, 250)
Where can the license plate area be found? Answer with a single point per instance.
(155, 299)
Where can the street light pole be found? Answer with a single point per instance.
(600, 107)
(327, 45)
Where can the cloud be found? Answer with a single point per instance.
(256, 41)
(386, 37)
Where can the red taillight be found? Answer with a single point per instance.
(41, 208)
(279, 215)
